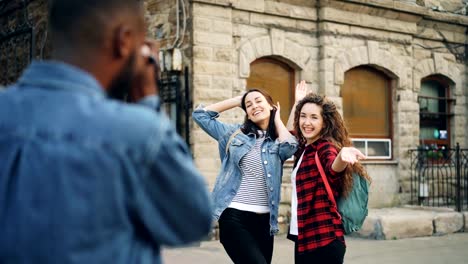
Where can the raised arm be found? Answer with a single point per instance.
(301, 91)
(225, 104)
(283, 132)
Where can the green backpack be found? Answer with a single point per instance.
(352, 209)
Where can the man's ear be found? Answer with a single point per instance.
(122, 41)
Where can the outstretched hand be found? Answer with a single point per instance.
(351, 155)
(301, 91)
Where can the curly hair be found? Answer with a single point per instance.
(334, 131)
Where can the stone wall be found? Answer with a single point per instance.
(15, 51)
(321, 40)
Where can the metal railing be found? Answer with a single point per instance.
(439, 177)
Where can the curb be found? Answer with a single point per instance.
(412, 221)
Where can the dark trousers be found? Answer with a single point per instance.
(246, 236)
(332, 253)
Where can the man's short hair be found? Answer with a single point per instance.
(85, 20)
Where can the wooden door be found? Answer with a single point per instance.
(276, 78)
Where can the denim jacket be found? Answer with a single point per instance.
(273, 155)
(86, 179)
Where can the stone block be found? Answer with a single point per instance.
(309, 26)
(296, 53)
(446, 223)
(407, 224)
(202, 24)
(373, 21)
(334, 28)
(213, 68)
(371, 228)
(385, 184)
(202, 52)
(303, 39)
(223, 55)
(262, 46)
(285, 210)
(277, 8)
(249, 5)
(303, 12)
(421, 54)
(336, 15)
(223, 83)
(286, 190)
(248, 31)
(213, 39)
(241, 17)
(402, 26)
(277, 41)
(212, 11)
(222, 27)
(202, 81)
(272, 21)
(244, 66)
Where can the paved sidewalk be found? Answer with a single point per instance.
(409, 234)
(452, 248)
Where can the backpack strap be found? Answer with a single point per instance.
(325, 181)
(231, 138)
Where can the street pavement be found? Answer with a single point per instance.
(450, 249)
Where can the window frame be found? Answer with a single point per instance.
(390, 83)
(446, 85)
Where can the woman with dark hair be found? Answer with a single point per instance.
(316, 225)
(246, 194)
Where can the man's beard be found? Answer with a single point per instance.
(122, 84)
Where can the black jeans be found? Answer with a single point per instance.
(246, 236)
(332, 253)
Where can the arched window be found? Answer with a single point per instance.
(366, 94)
(276, 78)
(434, 112)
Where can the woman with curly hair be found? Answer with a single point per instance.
(316, 225)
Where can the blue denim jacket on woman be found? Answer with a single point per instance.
(274, 153)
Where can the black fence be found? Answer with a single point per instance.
(176, 100)
(439, 177)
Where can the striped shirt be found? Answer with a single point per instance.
(252, 194)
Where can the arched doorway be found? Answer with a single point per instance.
(276, 78)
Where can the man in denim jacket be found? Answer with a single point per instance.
(84, 178)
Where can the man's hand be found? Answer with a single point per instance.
(146, 80)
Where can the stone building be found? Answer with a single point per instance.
(385, 63)
(397, 70)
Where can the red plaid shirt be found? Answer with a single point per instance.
(318, 222)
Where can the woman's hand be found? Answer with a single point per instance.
(301, 91)
(278, 114)
(351, 155)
